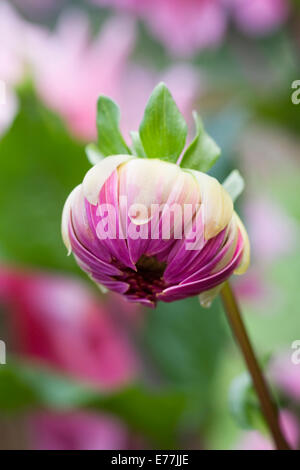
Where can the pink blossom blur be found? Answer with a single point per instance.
(259, 17)
(254, 440)
(70, 74)
(273, 233)
(183, 26)
(188, 26)
(77, 431)
(57, 321)
(286, 375)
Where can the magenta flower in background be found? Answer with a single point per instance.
(71, 70)
(57, 321)
(12, 45)
(78, 431)
(13, 36)
(188, 26)
(183, 26)
(286, 375)
(259, 17)
(254, 440)
(134, 258)
(73, 332)
(273, 233)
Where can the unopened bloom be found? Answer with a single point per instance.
(151, 230)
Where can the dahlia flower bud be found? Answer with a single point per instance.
(153, 230)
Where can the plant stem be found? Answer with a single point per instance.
(268, 406)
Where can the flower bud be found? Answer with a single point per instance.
(150, 230)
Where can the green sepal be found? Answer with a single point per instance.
(163, 129)
(203, 152)
(110, 139)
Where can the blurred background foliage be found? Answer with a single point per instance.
(177, 393)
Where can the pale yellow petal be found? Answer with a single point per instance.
(206, 298)
(98, 174)
(151, 182)
(66, 216)
(217, 204)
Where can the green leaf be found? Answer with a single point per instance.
(243, 404)
(163, 129)
(155, 414)
(137, 145)
(202, 152)
(40, 165)
(93, 154)
(234, 184)
(110, 140)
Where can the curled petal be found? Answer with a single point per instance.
(206, 297)
(66, 217)
(98, 174)
(217, 204)
(245, 261)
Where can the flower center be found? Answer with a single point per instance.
(148, 280)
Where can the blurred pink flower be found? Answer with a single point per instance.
(15, 39)
(259, 17)
(78, 431)
(272, 232)
(71, 70)
(254, 440)
(12, 44)
(58, 321)
(11, 63)
(286, 375)
(183, 26)
(187, 26)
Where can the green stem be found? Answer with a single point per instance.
(268, 406)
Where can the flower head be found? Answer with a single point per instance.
(152, 229)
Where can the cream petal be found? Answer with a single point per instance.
(148, 182)
(206, 297)
(245, 261)
(66, 217)
(217, 204)
(98, 174)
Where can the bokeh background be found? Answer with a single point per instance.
(87, 371)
